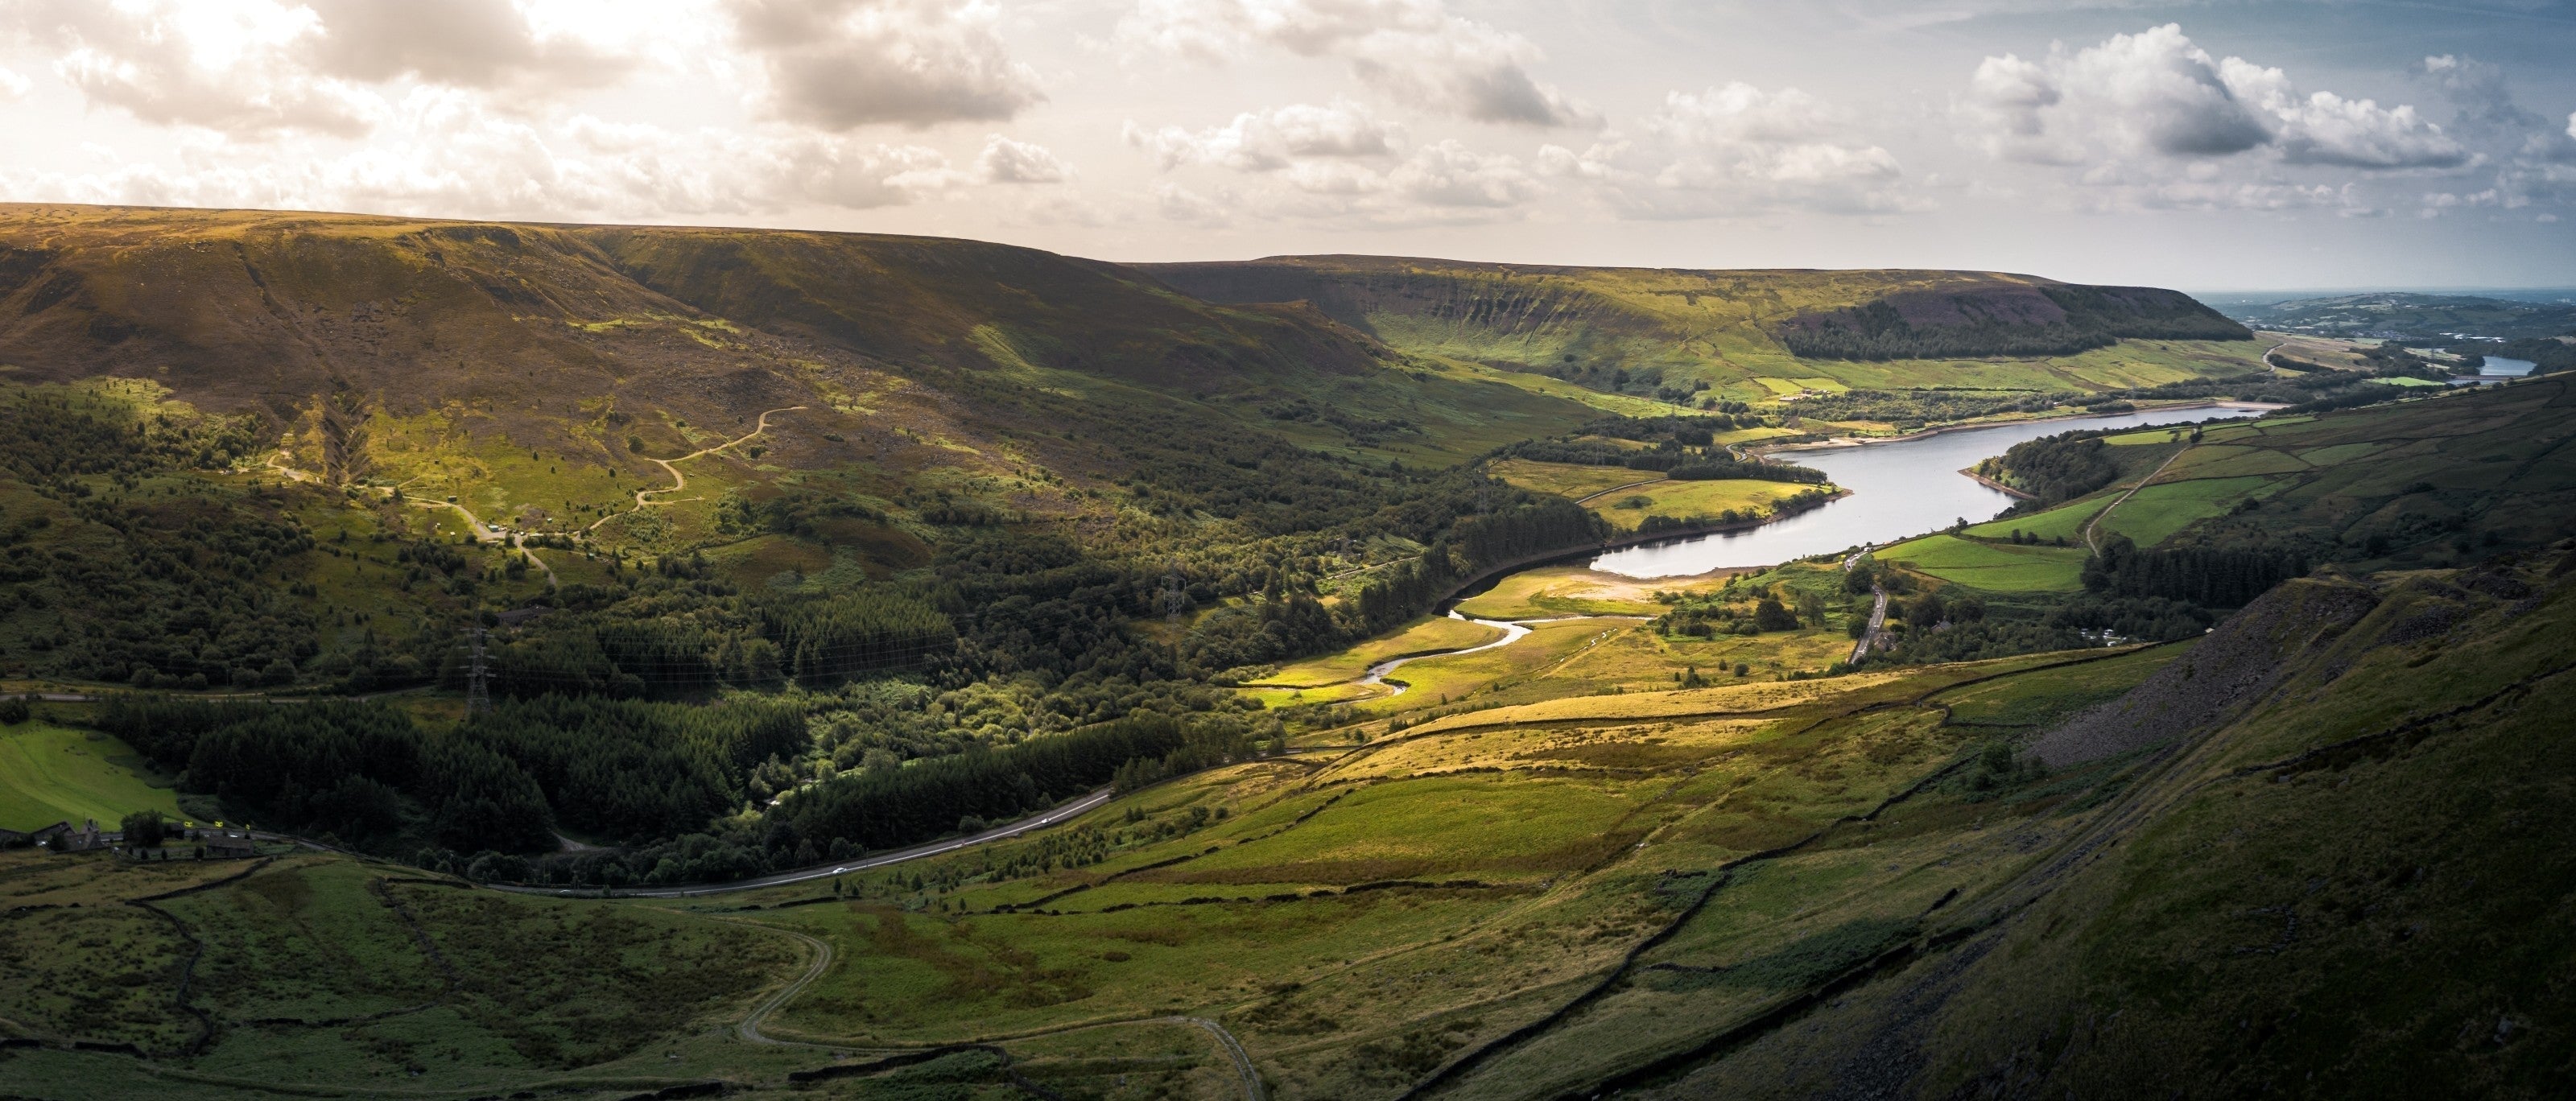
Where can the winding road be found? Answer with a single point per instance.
(749, 1029)
(1074, 809)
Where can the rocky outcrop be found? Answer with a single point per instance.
(2240, 661)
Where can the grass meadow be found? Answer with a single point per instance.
(1627, 509)
(51, 773)
(1550, 591)
(2065, 521)
(1430, 634)
(1569, 479)
(2155, 512)
(1994, 567)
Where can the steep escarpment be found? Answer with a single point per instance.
(1520, 314)
(2244, 658)
(2005, 319)
(1648, 330)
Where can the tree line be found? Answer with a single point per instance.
(370, 775)
(2210, 576)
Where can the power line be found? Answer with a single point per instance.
(478, 692)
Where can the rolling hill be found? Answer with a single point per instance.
(1749, 334)
(2416, 316)
(813, 569)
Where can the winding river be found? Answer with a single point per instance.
(1898, 489)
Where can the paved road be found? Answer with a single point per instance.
(1877, 623)
(2267, 355)
(1068, 811)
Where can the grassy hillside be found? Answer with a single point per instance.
(1609, 862)
(1749, 335)
(2157, 534)
(51, 773)
(2358, 836)
(319, 399)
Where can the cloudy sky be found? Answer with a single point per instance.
(2213, 146)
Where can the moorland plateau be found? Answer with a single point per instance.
(2227, 761)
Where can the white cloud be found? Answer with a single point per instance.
(1006, 161)
(464, 43)
(2324, 128)
(441, 153)
(2157, 95)
(1273, 139)
(1738, 149)
(1451, 175)
(2005, 99)
(236, 68)
(1414, 50)
(1181, 204)
(840, 64)
(13, 83)
(2151, 92)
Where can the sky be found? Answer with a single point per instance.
(2240, 145)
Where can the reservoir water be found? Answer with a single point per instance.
(1899, 489)
(2497, 369)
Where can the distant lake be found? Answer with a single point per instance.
(1899, 489)
(2497, 369)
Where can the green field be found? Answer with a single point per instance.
(1569, 479)
(1432, 681)
(2066, 522)
(2035, 699)
(2153, 513)
(1573, 590)
(1628, 508)
(1430, 634)
(51, 774)
(1994, 567)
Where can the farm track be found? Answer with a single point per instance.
(680, 481)
(749, 1028)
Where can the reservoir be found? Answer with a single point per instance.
(1898, 490)
(2496, 369)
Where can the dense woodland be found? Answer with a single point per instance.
(2094, 317)
(618, 720)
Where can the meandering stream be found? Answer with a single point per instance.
(1512, 633)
